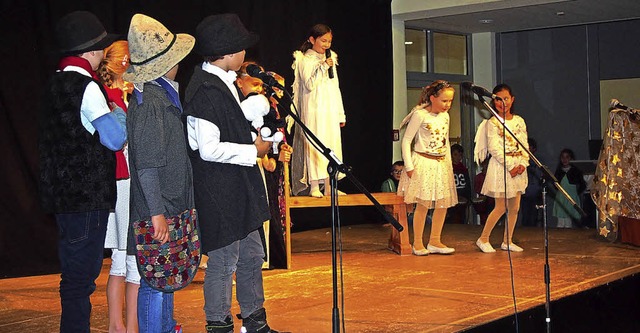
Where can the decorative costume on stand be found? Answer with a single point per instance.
(616, 187)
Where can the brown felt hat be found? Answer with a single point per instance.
(153, 49)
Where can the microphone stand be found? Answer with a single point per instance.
(335, 166)
(549, 175)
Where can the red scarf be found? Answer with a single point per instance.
(78, 62)
(122, 170)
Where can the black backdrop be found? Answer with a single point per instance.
(362, 38)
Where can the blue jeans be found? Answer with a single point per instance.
(245, 258)
(80, 246)
(155, 310)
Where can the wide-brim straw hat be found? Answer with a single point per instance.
(81, 31)
(222, 34)
(153, 49)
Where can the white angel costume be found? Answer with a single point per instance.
(431, 184)
(319, 102)
(490, 140)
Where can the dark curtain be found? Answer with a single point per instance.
(362, 37)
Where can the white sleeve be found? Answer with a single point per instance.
(204, 136)
(94, 105)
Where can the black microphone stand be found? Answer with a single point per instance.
(335, 166)
(549, 175)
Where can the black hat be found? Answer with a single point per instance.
(82, 31)
(223, 34)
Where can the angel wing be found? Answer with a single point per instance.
(481, 149)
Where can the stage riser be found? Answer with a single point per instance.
(614, 307)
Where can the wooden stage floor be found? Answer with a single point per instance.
(383, 292)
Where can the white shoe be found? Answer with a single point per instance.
(422, 252)
(512, 247)
(328, 194)
(485, 247)
(440, 250)
(316, 194)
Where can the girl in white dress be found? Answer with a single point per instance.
(428, 177)
(318, 99)
(504, 154)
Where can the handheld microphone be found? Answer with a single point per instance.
(255, 71)
(479, 90)
(327, 53)
(615, 104)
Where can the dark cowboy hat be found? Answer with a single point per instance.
(219, 35)
(81, 31)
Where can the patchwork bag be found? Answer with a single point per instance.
(172, 265)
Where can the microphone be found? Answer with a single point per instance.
(327, 53)
(479, 90)
(615, 104)
(255, 71)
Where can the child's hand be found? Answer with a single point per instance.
(269, 164)
(160, 228)
(285, 153)
(262, 146)
(329, 62)
(514, 172)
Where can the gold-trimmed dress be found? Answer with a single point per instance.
(426, 151)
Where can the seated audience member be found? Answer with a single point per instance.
(458, 213)
(572, 180)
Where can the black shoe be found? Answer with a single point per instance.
(257, 322)
(225, 326)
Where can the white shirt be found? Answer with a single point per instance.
(204, 135)
(94, 105)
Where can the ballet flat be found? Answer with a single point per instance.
(485, 247)
(316, 194)
(511, 247)
(422, 252)
(440, 250)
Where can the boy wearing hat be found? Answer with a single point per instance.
(161, 176)
(229, 192)
(77, 138)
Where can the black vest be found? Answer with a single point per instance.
(230, 199)
(77, 173)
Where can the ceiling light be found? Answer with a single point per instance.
(486, 21)
(408, 43)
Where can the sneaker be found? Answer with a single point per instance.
(485, 247)
(512, 247)
(178, 329)
(440, 250)
(422, 252)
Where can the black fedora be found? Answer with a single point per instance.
(81, 31)
(223, 34)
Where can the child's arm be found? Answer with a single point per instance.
(205, 136)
